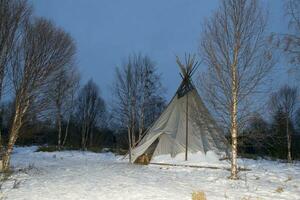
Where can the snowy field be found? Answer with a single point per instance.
(74, 175)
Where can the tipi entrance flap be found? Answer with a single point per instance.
(168, 145)
(166, 124)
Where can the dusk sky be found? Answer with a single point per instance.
(107, 32)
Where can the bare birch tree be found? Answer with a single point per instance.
(61, 93)
(13, 13)
(237, 56)
(285, 101)
(70, 105)
(90, 110)
(41, 51)
(125, 93)
(149, 95)
(138, 97)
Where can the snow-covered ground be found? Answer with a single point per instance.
(89, 176)
(210, 159)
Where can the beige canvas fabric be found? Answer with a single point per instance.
(170, 129)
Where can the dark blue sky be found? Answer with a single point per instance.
(107, 31)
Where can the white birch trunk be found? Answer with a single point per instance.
(289, 141)
(234, 110)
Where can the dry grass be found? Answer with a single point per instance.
(143, 159)
(279, 190)
(289, 178)
(198, 196)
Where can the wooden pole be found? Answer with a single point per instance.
(187, 127)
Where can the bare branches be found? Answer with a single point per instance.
(292, 10)
(289, 42)
(292, 40)
(13, 14)
(285, 100)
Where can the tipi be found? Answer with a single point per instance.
(185, 126)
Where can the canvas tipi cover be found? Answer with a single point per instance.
(168, 133)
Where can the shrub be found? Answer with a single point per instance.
(47, 149)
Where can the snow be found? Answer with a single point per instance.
(90, 176)
(210, 159)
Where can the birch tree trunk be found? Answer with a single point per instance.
(133, 123)
(289, 141)
(83, 132)
(141, 127)
(59, 127)
(129, 143)
(234, 133)
(14, 132)
(87, 132)
(234, 110)
(66, 132)
(91, 137)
